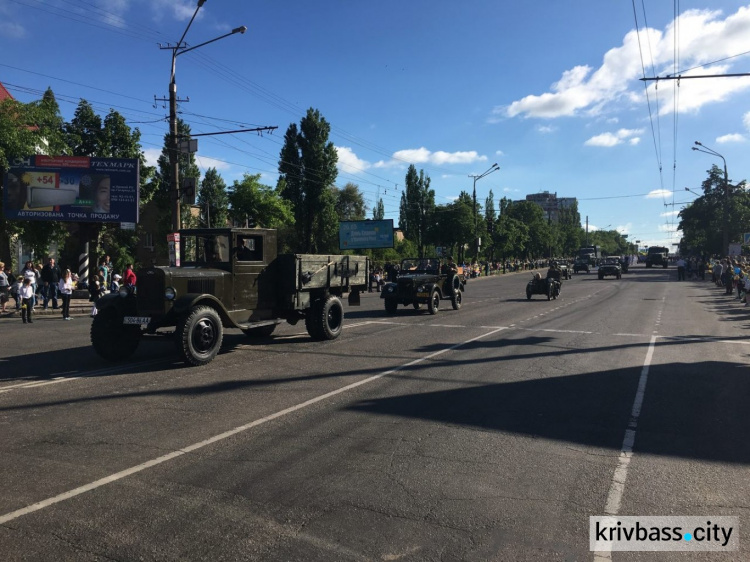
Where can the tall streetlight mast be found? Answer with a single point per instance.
(725, 214)
(493, 168)
(179, 49)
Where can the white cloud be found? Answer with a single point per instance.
(10, 30)
(658, 194)
(746, 120)
(181, 10)
(206, 162)
(424, 156)
(501, 153)
(624, 229)
(670, 214)
(546, 129)
(613, 139)
(667, 228)
(703, 37)
(349, 162)
(735, 137)
(152, 156)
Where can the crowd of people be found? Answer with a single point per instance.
(44, 284)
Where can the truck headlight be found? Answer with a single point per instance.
(124, 291)
(170, 293)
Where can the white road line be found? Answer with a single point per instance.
(222, 436)
(83, 375)
(617, 487)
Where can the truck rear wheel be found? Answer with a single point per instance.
(113, 340)
(326, 319)
(198, 336)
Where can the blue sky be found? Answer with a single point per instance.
(549, 90)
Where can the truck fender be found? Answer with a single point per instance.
(185, 302)
(126, 306)
(432, 286)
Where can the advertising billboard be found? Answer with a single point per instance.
(358, 235)
(72, 189)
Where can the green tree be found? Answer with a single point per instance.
(257, 204)
(308, 169)
(350, 203)
(417, 208)
(84, 132)
(213, 200)
(533, 217)
(378, 211)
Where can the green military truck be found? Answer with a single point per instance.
(657, 255)
(228, 278)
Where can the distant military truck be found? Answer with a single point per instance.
(657, 255)
(228, 278)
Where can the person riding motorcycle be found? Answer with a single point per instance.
(554, 276)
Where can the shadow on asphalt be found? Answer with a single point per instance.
(691, 410)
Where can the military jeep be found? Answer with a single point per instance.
(421, 281)
(610, 267)
(227, 278)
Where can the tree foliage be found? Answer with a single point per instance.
(417, 208)
(307, 168)
(255, 204)
(213, 200)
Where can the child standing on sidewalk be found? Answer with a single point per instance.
(27, 300)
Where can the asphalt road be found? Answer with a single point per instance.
(488, 433)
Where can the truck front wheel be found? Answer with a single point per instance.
(113, 340)
(198, 336)
(326, 319)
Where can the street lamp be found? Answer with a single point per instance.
(180, 49)
(693, 192)
(725, 213)
(493, 168)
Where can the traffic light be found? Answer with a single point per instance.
(188, 190)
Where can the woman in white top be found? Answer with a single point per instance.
(66, 291)
(4, 288)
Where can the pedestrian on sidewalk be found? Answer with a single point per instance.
(66, 292)
(129, 278)
(51, 276)
(31, 274)
(4, 288)
(27, 300)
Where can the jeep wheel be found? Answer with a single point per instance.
(601, 277)
(528, 294)
(198, 336)
(262, 332)
(391, 306)
(327, 318)
(113, 340)
(434, 303)
(456, 300)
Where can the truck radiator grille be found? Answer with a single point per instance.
(150, 291)
(201, 286)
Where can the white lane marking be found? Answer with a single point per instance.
(222, 436)
(83, 375)
(617, 488)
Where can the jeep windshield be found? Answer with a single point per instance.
(611, 261)
(201, 249)
(420, 265)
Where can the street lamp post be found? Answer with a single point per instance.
(725, 212)
(493, 168)
(180, 49)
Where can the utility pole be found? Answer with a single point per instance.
(476, 177)
(179, 49)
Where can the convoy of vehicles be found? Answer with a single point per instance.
(228, 278)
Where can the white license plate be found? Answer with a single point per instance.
(139, 320)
